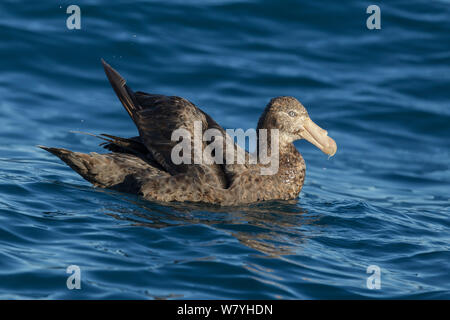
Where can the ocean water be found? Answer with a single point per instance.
(382, 200)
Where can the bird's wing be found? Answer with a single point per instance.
(157, 117)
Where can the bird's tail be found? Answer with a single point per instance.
(86, 165)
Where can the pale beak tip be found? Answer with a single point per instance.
(331, 148)
(319, 137)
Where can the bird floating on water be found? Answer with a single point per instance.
(143, 164)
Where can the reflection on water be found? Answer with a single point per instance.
(270, 228)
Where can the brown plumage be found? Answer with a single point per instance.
(143, 164)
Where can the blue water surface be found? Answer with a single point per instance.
(383, 199)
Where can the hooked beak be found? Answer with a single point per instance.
(318, 137)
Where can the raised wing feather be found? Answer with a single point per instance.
(157, 117)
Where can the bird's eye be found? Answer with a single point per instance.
(292, 113)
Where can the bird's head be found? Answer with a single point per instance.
(290, 117)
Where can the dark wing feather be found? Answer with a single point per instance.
(156, 117)
(132, 145)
